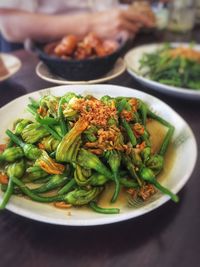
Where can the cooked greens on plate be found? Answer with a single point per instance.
(76, 146)
(175, 66)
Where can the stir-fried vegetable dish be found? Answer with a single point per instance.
(75, 146)
(174, 66)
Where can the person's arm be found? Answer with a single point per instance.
(17, 25)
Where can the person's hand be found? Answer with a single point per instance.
(111, 23)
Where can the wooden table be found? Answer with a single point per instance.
(166, 237)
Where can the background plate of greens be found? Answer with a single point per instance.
(180, 160)
(165, 78)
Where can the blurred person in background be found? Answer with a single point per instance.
(47, 20)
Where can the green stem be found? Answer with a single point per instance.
(117, 188)
(34, 196)
(48, 128)
(166, 141)
(129, 132)
(7, 195)
(166, 191)
(63, 125)
(65, 189)
(15, 139)
(98, 209)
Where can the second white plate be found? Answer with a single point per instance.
(11, 63)
(132, 59)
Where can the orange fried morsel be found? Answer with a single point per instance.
(3, 178)
(62, 205)
(92, 40)
(2, 147)
(67, 46)
(100, 50)
(80, 53)
(146, 191)
(138, 129)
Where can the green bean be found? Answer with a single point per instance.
(147, 175)
(129, 132)
(65, 189)
(7, 195)
(34, 196)
(166, 141)
(32, 109)
(130, 167)
(114, 161)
(61, 117)
(34, 103)
(98, 209)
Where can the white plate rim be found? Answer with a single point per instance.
(109, 218)
(153, 84)
(11, 71)
(68, 82)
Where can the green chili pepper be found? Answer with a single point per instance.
(147, 175)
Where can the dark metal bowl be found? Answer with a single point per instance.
(78, 70)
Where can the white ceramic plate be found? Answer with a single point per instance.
(184, 160)
(12, 64)
(44, 73)
(132, 59)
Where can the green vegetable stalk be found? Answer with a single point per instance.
(54, 182)
(16, 169)
(114, 161)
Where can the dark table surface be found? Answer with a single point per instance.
(168, 236)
